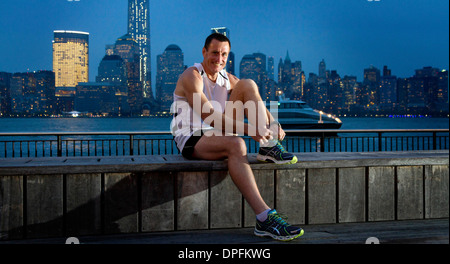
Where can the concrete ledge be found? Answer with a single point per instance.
(70, 196)
(52, 165)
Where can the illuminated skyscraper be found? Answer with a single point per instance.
(70, 57)
(253, 66)
(170, 65)
(322, 69)
(371, 87)
(128, 49)
(291, 77)
(271, 68)
(139, 29)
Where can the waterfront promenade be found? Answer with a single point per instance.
(430, 231)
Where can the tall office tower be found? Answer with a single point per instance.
(33, 92)
(442, 91)
(371, 87)
(253, 66)
(322, 69)
(310, 89)
(280, 70)
(248, 67)
(112, 70)
(402, 94)
(349, 89)
(388, 89)
(128, 49)
(5, 95)
(70, 58)
(335, 94)
(45, 91)
(298, 80)
(386, 71)
(230, 62)
(97, 98)
(434, 82)
(271, 68)
(285, 70)
(291, 77)
(388, 92)
(139, 29)
(170, 65)
(23, 89)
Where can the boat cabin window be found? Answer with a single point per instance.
(284, 105)
(290, 106)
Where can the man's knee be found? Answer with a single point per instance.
(236, 145)
(246, 88)
(247, 84)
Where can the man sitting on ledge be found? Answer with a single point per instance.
(206, 126)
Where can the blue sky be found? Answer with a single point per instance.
(349, 35)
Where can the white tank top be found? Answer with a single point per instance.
(185, 121)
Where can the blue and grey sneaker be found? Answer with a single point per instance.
(277, 228)
(276, 154)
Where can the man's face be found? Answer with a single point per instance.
(215, 58)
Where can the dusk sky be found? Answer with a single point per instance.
(349, 35)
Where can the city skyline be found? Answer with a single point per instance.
(349, 35)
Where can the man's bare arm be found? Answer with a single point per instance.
(191, 85)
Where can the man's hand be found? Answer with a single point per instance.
(276, 129)
(263, 135)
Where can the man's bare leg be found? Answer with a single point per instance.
(246, 91)
(234, 148)
(213, 147)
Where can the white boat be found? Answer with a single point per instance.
(297, 114)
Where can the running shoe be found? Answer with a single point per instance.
(277, 228)
(276, 154)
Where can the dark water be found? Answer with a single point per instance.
(394, 123)
(162, 124)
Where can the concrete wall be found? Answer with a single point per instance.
(51, 197)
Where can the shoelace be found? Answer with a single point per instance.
(277, 218)
(280, 146)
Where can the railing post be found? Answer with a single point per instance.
(379, 141)
(322, 142)
(434, 141)
(131, 145)
(59, 142)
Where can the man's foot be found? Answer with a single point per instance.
(277, 228)
(276, 154)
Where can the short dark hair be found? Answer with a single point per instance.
(218, 36)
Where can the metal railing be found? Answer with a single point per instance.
(119, 143)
